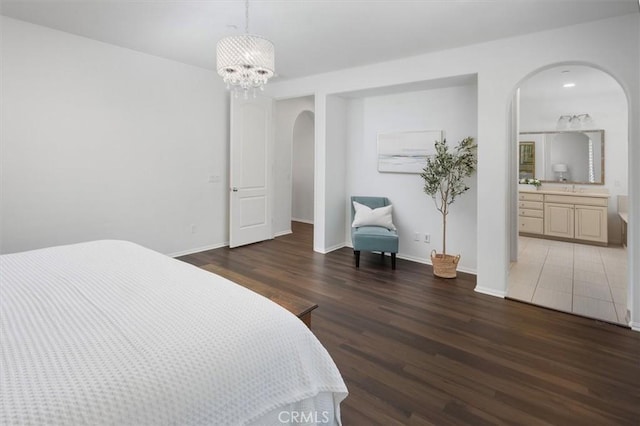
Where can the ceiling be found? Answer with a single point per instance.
(311, 36)
(549, 84)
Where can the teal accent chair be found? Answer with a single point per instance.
(373, 238)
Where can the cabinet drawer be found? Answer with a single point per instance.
(535, 205)
(532, 225)
(531, 213)
(527, 196)
(569, 199)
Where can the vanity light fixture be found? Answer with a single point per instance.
(576, 121)
(563, 122)
(586, 121)
(245, 61)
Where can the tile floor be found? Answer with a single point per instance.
(583, 279)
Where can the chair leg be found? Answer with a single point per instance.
(381, 257)
(356, 254)
(393, 261)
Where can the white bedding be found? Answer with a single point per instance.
(108, 332)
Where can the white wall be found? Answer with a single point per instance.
(302, 168)
(335, 169)
(610, 113)
(453, 110)
(611, 44)
(286, 113)
(103, 142)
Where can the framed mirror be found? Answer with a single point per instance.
(572, 156)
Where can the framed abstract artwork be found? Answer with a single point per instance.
(406, 152)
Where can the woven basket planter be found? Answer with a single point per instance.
(444, 265)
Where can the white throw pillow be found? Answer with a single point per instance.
(365, 216)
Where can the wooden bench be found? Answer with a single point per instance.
(296, 305)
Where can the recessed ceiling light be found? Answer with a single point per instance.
(569, 85)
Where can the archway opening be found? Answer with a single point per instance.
(302, 168)
(567, 235)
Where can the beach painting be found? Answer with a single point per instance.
(406, 152)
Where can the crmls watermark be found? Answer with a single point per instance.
(294, 417)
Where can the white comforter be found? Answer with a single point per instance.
(110, 332)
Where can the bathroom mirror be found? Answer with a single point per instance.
(572, 156)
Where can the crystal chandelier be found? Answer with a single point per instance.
(245, 61)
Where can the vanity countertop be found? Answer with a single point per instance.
(571, 193)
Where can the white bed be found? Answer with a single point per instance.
(108, 332)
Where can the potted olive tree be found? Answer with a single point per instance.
(444, 180)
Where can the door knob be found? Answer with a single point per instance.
(234, 189)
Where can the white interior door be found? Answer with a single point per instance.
(250, 170)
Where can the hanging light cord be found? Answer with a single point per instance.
(246, 16)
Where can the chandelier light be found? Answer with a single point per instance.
(245, 61)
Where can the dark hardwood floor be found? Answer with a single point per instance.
(414, 349)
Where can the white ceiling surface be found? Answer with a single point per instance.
(311, 36)
(548, 84)
(460, 80)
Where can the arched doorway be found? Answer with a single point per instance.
(302, 168)
(566, 272)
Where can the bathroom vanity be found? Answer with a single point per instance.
(565, 215)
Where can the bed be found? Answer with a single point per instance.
(109, 332)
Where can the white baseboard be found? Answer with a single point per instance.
(635, 326)
(294, 219)
(413, 259)
(615, 242)
(330, 249)
(199, 249)
(491, 292)
(428, 262)
(422, 260)
(219, 245)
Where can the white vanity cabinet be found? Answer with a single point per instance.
(591, 224)
(531, 213)
(559, 220)
(580, 217)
